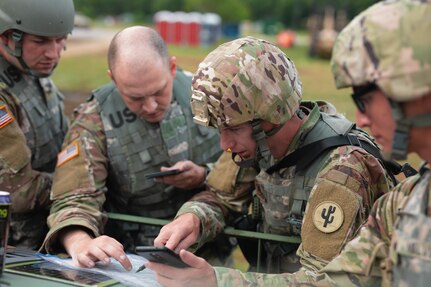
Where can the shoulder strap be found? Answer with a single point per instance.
(305, 155)
(182, 89)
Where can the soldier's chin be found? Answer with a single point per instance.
(152, 119)
(43, 73)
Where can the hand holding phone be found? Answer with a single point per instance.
(162, 173)
(161, 255)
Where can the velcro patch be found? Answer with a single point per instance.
(68, 153)
(5, 116)
(324, 205)
(76, 176)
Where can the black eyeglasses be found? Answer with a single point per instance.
(359, 92)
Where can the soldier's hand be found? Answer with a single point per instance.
(180, 233)
(86, 251)
(191, 176)
(199, 274)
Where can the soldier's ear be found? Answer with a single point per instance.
(110, 74)
(173, 65)
(4, 38)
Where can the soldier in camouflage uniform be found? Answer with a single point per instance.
(32, 121)
(139, 123)
(384, 55)
(250, 90)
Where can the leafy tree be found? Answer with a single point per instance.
(229, 11)
(292, 13)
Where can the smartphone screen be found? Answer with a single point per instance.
(161, 255)
(162, 173)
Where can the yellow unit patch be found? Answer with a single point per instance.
(68, 153)
(326, 221)
(328, 217)
(5, 116)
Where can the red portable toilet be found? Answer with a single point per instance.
(163, 25)
(179, 19)
(193, 28)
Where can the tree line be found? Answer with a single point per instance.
(291, 13)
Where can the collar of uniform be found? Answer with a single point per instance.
(313, 115)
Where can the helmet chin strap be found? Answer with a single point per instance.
(262, 159)
(17, 53)
(401, 136)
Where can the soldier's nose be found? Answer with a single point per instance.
(362, 119)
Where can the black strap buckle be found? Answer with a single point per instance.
(353, 140)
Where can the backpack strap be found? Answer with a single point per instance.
(305, 155)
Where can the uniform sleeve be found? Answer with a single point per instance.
(365, 259)
(358, 174)
(29, 188)
(78, 191)
(228, 277)
(228, 194)
(343, 194)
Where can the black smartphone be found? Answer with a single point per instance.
(162, 173)
(161, 255)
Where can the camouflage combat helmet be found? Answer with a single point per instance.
(388, 45)
(47, 18)
(246, 80)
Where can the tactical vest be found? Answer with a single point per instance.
(412, 249)
(43, 121)
(286, 191)
(137, 147)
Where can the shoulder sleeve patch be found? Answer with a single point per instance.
(5, 116)
(330, 216)
(68, 153)
(14, 152)
(73, 176)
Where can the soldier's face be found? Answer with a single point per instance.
(148, 94)
(41, 54)
(239, 140)
(378, 118)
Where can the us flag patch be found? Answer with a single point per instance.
(68, 153)
(5, 116)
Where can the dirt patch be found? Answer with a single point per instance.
(72, 100)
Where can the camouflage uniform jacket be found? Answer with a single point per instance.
(91, 180)
(350, 177)
(384, 253)
(31, 140)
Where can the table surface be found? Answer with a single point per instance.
(14, 278)
(9, 279)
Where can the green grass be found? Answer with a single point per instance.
(81, 74)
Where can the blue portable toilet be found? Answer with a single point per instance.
(210, 29)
